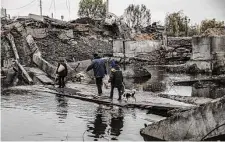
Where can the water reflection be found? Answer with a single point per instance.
(99, 124)
(117, 122)
(108, 123)
(62, 107)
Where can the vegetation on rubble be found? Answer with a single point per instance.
(137, 16)
(194, 30)
(92, 8)
(212, 23)
(176, 24)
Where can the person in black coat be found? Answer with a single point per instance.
(116, 80)
(62, 74)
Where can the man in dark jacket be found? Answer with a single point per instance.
(99, 68)
(61, 73)
(116, 79)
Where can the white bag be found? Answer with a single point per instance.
(61, 68)
(105, 82)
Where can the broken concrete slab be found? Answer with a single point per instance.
(36, 17)
(45, 80)
(37, 33)
(216, 79)
(194, 124)
(41, 76)
(187, 99)
(11, 39)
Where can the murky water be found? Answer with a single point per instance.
(43, 116)
(162, 82)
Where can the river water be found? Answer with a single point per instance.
(162, 82)
(43, 116)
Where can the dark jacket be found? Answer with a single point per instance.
(98, 66)
(116, 77)
(64, 72)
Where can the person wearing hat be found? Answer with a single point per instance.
(99, 68)
(61, 72)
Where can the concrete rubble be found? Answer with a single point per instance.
(209, 116)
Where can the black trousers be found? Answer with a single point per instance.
(61, 81)
(120, 91)
(99, 84)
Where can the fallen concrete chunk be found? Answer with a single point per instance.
(11, 39)
(194, 124)
(45, 80)
(187, 99)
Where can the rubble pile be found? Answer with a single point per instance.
(151, 32)
(118, 26)
(82, 49)
(155, 57)
(179, 48)
(74, 40)
(214, 32)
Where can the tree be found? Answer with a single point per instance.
(194, 30)
(137, 16)
(92, 8)
(176, 24)
(206, 24)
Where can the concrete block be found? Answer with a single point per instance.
(201, 48)
(117, 46)
(36, 17)
(193, 124)
(44, 65)
(202, 65)
(218, 44)
(134, 48)
(37, 33)
(44, 79)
